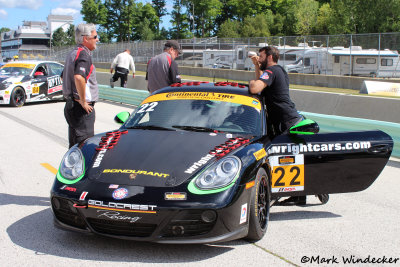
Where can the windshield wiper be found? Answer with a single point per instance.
(195, 128)
(150, 127)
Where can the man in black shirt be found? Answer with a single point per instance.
(272, 82)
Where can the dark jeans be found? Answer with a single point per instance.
(80, 124)
(121, 73)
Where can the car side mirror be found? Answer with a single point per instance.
(306, 126)
(122, 117)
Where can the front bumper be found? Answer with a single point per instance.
(185, 226)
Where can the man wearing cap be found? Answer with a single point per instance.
(162, 69)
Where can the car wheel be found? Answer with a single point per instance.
(259, 207)
(18, 97)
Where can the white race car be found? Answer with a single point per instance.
(29, 81)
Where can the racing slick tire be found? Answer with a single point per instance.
(259, 207)
(18, 97)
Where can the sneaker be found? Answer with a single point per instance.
(112, 82)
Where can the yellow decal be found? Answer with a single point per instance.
(250, 184)
(232, 98)
(136, 172)
(260, 154)
(175, 196)
(35, 90)
(7, 92)
(286, 160)
(18, 83)
(19, 65)
(286, 176)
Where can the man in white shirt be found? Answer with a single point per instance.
(122, 63)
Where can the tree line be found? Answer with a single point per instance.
(128, 20)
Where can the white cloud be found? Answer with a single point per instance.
(65, 11)
(26, 4)
(3, 14)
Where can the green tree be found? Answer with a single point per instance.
(256, 26)
(70, 34)
(229, 29)
(324, 19)
(205, 14)
(145, 22)
(306, 14)
(242, 9)
(94, 11)
(4, 29)
(161, 11)
(59, 38)
(180, 22)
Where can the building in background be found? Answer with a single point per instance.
(32, 39)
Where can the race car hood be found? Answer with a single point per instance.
(155, 158)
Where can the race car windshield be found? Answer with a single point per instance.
(15, 71)
(199, 116)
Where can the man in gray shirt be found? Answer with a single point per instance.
(162, 69)
(80, 85)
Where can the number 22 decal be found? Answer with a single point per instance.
(148, 107)
(293, 182)
(287, 177)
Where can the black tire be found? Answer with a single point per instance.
(259, 207)
(18, 97)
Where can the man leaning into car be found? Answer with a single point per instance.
(80, 85)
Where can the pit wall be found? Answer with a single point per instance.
(367, 107)
(332, 81)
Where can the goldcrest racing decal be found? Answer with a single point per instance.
(287, 175)
(99, 204)
(115, 215)
(313, 147)
(232, 98)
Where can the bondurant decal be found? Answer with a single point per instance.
(159, 174)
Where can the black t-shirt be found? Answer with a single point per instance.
(279, 106)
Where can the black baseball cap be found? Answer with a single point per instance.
(175, 45)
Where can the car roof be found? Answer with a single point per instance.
(218, 87)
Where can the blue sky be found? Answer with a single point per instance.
(14, 12)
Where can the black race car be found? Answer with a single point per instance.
(30, 81)
(196, 163)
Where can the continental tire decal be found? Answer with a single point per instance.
(287, 176)
(232, 98)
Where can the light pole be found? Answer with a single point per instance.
(194, 38)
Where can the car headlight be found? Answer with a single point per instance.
(4, 85)
(72, 167)
(216, 178)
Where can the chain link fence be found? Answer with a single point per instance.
(347, 54)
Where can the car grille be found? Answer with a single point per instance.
(66, 213)
(122, 228)
(187, 223)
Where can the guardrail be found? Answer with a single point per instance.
(327, 123)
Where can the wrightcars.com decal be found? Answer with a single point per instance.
(315, 147)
